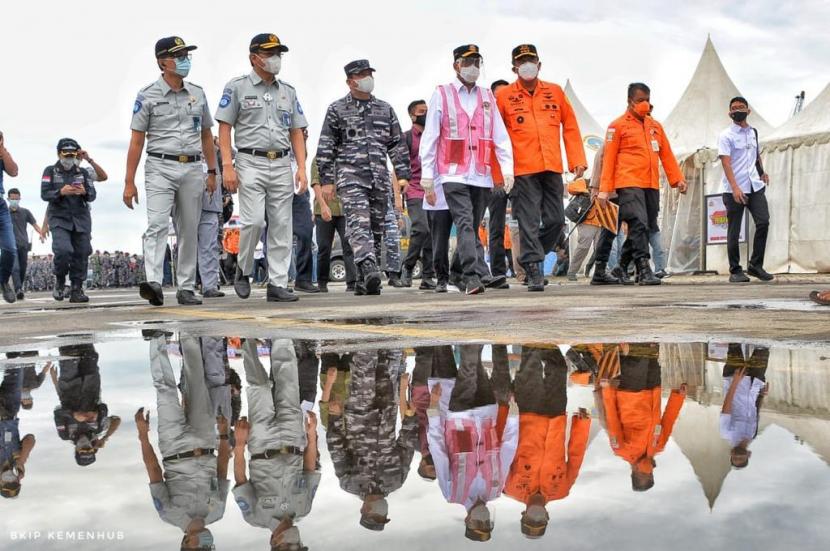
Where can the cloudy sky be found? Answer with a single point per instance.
(75, 70)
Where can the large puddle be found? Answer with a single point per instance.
(627, 446)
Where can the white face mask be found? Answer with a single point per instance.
(528, 70)
(469, 74)
(68, 163)
(365, 85)
(272, 64)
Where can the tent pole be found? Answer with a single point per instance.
(701, 198)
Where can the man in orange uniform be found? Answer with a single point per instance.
(541, 471)
(631, 404)
(538, 116)
(633, 145)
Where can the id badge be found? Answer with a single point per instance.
(655, 145)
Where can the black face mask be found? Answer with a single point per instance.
(739, 116)
(421, 120)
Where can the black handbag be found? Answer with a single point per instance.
(578, 207)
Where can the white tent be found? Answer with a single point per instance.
(693, 127)
(797, 158)
(592, 132)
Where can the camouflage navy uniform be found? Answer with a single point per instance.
(392, 239)
(356, 138)
(367, 458)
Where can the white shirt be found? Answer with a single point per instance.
(432, 132)
(742, 423)
(741, 146)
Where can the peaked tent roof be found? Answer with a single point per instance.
(700, 114)
(588, 125)
(814, 119)
(696, 433)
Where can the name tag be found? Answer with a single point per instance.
(251, 104)
(655, 145)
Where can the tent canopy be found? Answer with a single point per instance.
(813, 121)
(701, 113)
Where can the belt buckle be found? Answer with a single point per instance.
(272, 155)
(197, 452)
(183, 158)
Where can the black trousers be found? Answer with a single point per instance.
(19, 273)
(498, 215)
(538, 206)
(71, 250)
(542, 381)
(638, 208)
(473, 388)
(467, 205)
(325, 239)
(757, 206)
(440, 226)
(420, 240)
(304, 233)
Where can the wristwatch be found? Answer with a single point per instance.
(212, 171)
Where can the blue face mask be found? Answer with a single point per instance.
(182, 67)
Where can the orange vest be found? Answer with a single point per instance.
(230, 240)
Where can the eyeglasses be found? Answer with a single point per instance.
(470, 61)
(183, 56)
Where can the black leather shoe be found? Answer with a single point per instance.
(280, 294)
(760, 273)
(602, 277)
(323, 287)
(151, 292)
(406, 276)
(242, 284)
(474, 286)
(8, 292)
(20, 295)
(738, 277)
(188, 298)
(495, 282)
(306, 287)
(395, 281)
(441, 287)
(77, 295)
(428, 284)
(662, 274)
(213, 293)
(150, 334)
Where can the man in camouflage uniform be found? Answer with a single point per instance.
(95, 264)
(358, 133)
(368, 460)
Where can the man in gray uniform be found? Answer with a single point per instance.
(190, 487)
(358, 133)
(209, 249)
(282, 440)
(174, 118)
(267, 121)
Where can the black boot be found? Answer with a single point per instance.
(602, 277)
(535, 279)
(58, 291)
(8, 292)
(644, 274)
(406, 276)
(621, 272)
(241, 285)
(76, 293)
(371, 276)
(428, 284)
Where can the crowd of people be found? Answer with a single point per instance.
(479, 423)
(106, 271)
(473, 153)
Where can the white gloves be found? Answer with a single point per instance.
(509, 180)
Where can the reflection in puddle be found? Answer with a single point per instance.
(428, 446)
